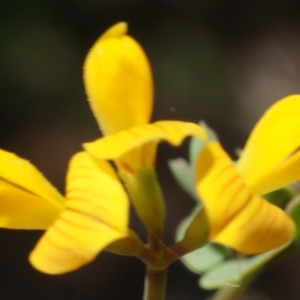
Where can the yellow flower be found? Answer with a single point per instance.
(79, 226)
(238, 216)
(95, 210)
(119, 87)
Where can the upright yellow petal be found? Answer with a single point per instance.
(96, 214)
(272, 142)
(118, 81)
(136, 147)
(285, 173)
(27, 199)
(238, 218)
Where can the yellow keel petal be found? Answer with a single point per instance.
(274, 138)
(27, 199)
(96, 214)
(238, 218)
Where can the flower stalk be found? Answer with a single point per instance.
(155, 284)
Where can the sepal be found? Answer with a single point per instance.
(201, 259)
(146, 197)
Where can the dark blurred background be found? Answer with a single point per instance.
(220, 61)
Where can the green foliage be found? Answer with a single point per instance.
(184, 176)
(236, 271)
(281, 197)
(293, 210)
(197, 145)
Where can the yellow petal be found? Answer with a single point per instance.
(285, 173)
(96, 214)
(118, 81)
(274, 138)
(27, 199)
(129, 144)
(238, 218)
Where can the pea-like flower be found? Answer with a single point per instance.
(238, 216)
(79, 225)
(119, 87)
(95, 210)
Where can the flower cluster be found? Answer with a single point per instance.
(93, 214)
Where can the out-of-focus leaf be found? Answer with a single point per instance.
(293, 209)
(204, 258)
(234, 272)
(184, 175)
(183, 172)
(280, 197)
(196, 145)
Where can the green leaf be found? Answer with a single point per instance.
(293, 209)
(182, 171)
(184, 175)
(235, 272)
(196, 145)
(204, 258)
(280, 197)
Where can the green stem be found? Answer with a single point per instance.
(154, 241)
(229, 293)
(156, 273)
(148, 200)
(155, 284)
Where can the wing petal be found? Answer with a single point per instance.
(96, 214)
